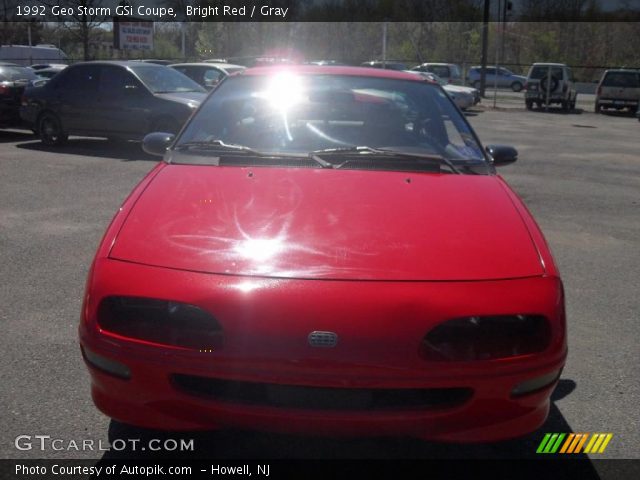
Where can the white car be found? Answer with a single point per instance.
(464, 97)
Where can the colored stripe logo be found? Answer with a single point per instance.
(574, 443)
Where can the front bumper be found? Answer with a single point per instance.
(380, 325)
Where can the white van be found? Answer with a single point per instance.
(26, 55)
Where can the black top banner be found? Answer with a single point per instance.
(321, 10)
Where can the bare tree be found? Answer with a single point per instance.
(82, 22)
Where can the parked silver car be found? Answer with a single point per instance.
(449, 72)
(500, 77)
(463, 97)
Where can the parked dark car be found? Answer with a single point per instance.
(120, 100)
(13, 81)
(207, 74)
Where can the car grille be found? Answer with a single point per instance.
(318, 398)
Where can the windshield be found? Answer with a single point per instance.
(289, 114)
(540, 71)
(621, 79)
(161, 79)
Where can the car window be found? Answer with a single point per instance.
(455, 71)
(491, 71)
(207, 76)
(81, 79)
(234, 70)
(193, 73)
(183, 70)
(212, 76)
(621, 79)
(114, 82)
(540, 71)
(569, 75)
(396, 66)
(292, 114)
(440, 70)
(161, 79)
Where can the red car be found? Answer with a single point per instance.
(327, 251)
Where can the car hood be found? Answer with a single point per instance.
(328, 224)
(184, 97)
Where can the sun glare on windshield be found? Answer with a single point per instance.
(283, 91)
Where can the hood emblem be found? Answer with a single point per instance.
(322, 339)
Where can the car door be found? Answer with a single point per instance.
(73, 97)
(505, 77)
(123, 102)
(490, 78)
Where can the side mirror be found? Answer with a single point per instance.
(502, 154)
(157, 143)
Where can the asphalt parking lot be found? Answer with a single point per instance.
(578, 173)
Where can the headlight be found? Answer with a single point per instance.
(160, 322)
(486, 338)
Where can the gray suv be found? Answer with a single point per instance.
(618, 89)
(550, 83)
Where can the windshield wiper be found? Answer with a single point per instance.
(217, 145)
(366, 150)
(321, 162)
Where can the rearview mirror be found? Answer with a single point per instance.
(156, 143)
(502, 154)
